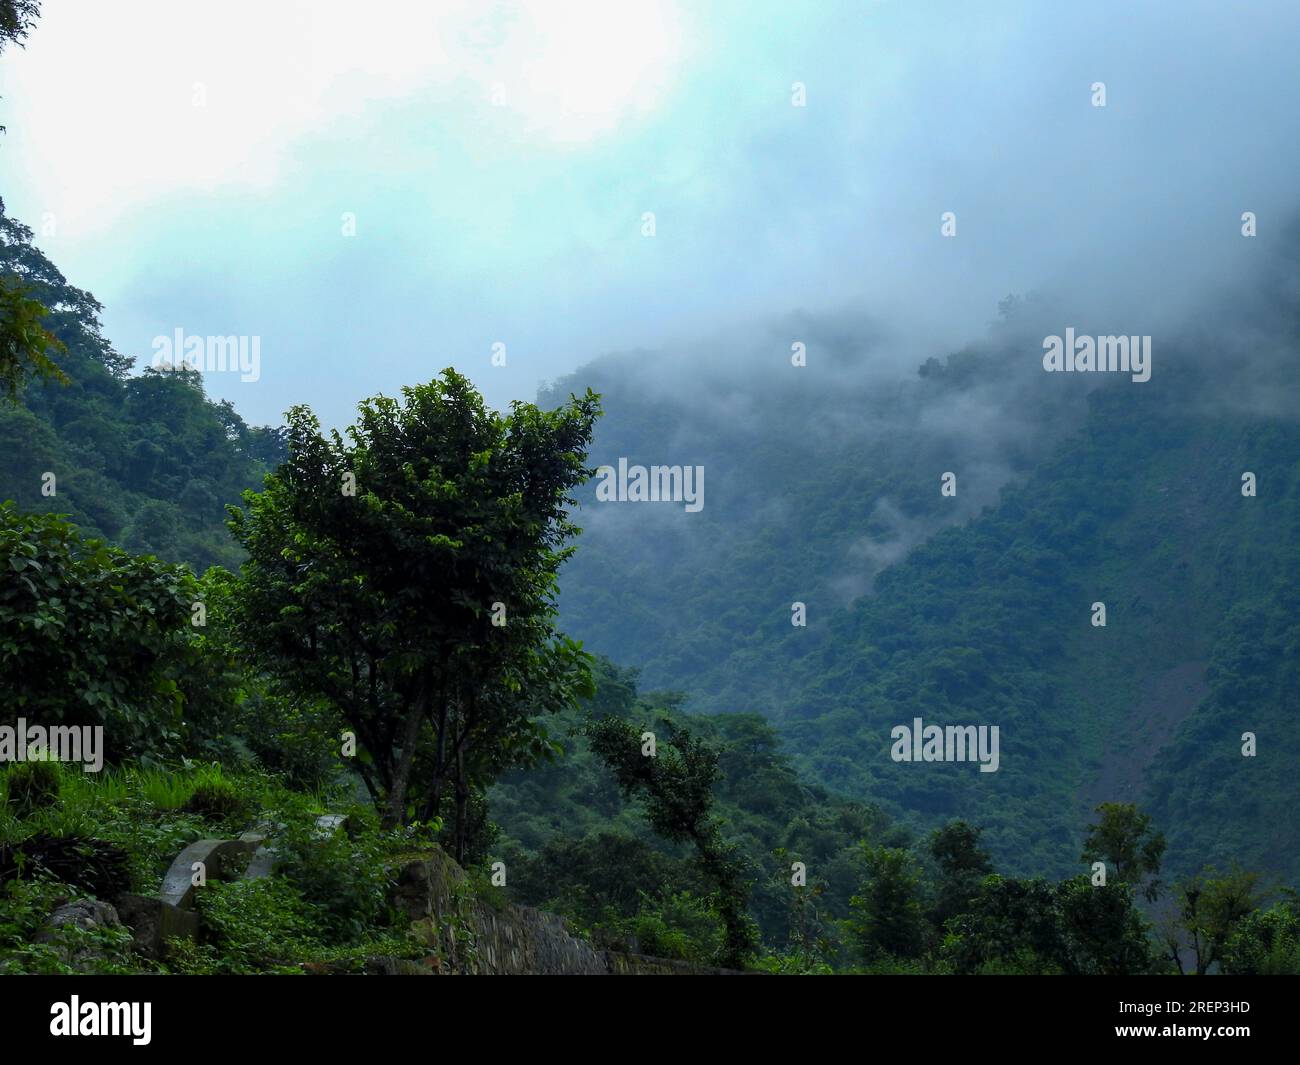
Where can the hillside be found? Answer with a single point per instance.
(145, 460)
(977, 609)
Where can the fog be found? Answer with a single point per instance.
(519, 220)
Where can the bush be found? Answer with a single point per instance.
(31, 786)
(218, 800)
(251, 926)
(25, 906)
(344, 876)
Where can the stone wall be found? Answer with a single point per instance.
(473, 936)
(469, 935)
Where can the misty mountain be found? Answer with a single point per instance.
(823, 486)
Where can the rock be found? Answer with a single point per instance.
(153, 921)
(85, 914)
(472, 936)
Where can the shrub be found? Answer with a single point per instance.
(31, 786)
(251, 926)
(218, 800)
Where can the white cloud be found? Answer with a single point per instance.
(112, 106)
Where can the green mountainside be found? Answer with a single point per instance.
(1124, 493)
(823, 488)
(145, 460)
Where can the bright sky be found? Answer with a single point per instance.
(194, 166)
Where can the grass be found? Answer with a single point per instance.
(326, 904)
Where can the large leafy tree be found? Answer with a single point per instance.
(887, 916)
(963, 864)
(1033, 926)
(1267, 942)
(408, 574)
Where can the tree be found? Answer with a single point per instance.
(408, 577)
(1011, 925)
(1211, 909)
(888, 918)
(17, 17)
(1266, 942)
(25, 343)
(1102, 931)
(676, 782)
(72, 314)
(963, 865)
(1132, 850)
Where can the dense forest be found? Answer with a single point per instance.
(430, 630)
(978, 607)
(759, 836)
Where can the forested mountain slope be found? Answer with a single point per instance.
(978, 609)
(146, 460)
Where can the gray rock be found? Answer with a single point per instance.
(153, 921)
(86, 914)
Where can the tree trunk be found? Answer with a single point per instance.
(395, 813)
(462, 803)
(433, 803)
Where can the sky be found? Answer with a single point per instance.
(379, 191)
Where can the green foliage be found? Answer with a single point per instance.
(251, 926)
(1211, 910)
(1035, 927)
(16, 20)
(887, 914)
(219, 801)
(575, 846)
(25, 344)
(90, 635)
(343, 876)
(677, 785)
(680, 926)
(30, 786)
(963, 865)
(140, 814)
(976, 611)
(27, 947)
(374, 569)
(1132, 850)
(147, 460)
(1266, 942)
